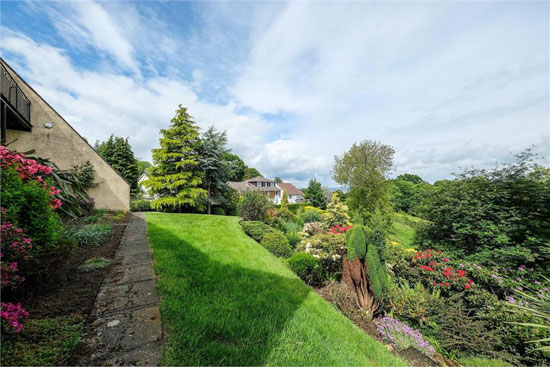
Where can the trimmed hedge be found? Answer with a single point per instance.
(277, 244)
(256, 229)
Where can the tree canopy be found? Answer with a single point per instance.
(216, 170)
(237, 166)
(176, 176)
(314, 194)
(118, 153)
(363, 169)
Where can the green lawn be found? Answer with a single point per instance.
(404, 228)
(225, 300)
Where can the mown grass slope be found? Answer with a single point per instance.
(404, 228)
(225, 300)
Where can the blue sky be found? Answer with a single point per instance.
(448, 84)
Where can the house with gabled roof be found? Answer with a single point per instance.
(270, 188)
(29, 123)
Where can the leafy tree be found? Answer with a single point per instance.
(314, 194)
(237, 167)
(142, 167)
(176, 176)
(251, 173)
(216, 170)
(278, 180)
(497, 216)
(409, 193)
(118, 153)
(363, 169)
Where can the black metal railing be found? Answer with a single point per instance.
(14, 95)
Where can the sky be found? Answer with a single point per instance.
(448, 84)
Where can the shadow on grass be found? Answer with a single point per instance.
(218, 314)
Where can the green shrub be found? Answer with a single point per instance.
(311, 216)
(295, 208)
(293, 238)
(28, 206)
(93, 234)
(217, 210)
(378, 279)
(291, 227)
(483, 362)
(328, 248)
(277, 244)
(95, 217)
(140, 205)
(356, 242)
(253, 206)
(256, 229)
(307, 267)
(377, 237)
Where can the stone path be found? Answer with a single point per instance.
(127, 328)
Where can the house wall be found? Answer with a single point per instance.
(66, 148)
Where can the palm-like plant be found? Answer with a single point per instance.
(538, 307)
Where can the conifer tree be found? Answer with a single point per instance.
(284, 200)
(314, 194)
(337, 213)
(216, 170)
(118, 153)
(176, 176)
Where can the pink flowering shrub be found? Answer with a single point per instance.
(13, 315)
(337, 229)
(14, 247)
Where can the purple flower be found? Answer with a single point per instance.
(518, 279)
(537, 282)
(520, 288)
(511, 300)
(493, 276)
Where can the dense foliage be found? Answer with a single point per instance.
(363, 169)
(256, 229)
(140, 205)
(277, 244)
(314, 194)
(253, 205)
(337, 213)
(216, 170)
(307, 267)
(409, 193)
(497, 216)
(176, 176)
(237, 165)
(118, 153)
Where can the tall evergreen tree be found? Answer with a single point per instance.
(176, 176)
(251, 172)
(314, 194)
(118, 153)
(216, 170)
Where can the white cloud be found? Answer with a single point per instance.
(447, 84)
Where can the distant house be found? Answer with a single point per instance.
(294, 195)
(273, 190)
(28, 122)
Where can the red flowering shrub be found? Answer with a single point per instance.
(337, 229)
(435, 268)
(13, 315)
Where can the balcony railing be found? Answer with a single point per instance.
(14, 95)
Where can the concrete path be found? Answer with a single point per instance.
(127, 328)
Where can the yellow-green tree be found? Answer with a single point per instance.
(337, 213)
(176, 177)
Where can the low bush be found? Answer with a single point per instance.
(402, 336)
(217, 210)
(294, 208)
(253, 206)
(92, 234)
(95, 217)
(257, 230)
(277, 244)
(313, 228)
(291, 227)
(311, 216)
(140, 205)
(329, 249)
(293, 238)
(307, 267)
(94, 264)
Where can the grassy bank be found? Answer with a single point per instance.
(225, 300)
